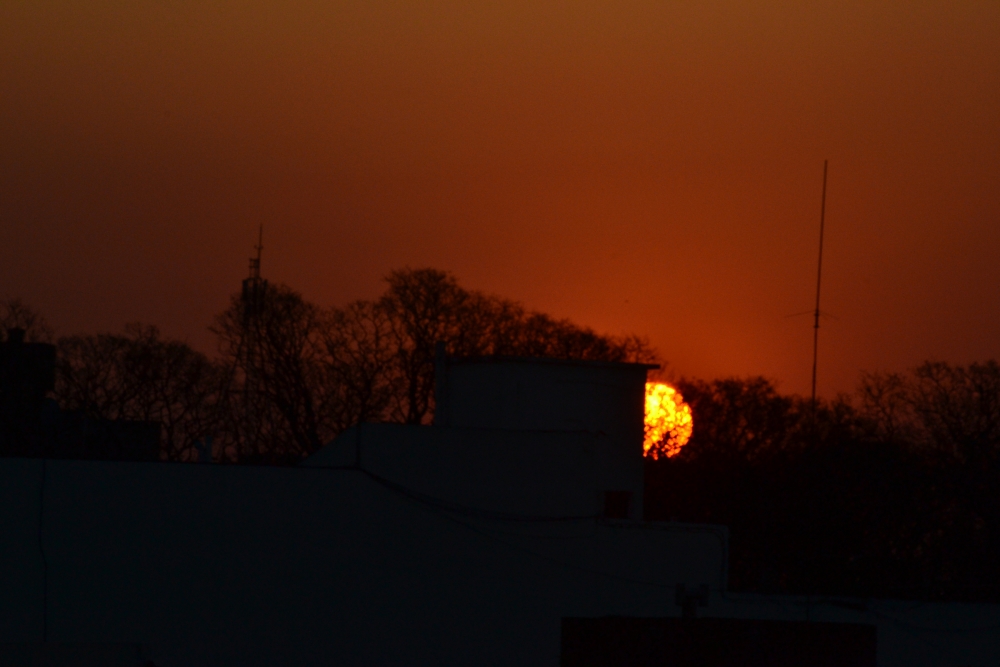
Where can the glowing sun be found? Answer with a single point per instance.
(668, 421)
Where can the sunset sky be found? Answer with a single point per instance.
(647, 167)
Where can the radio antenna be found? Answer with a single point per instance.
(255, 261)
(819, 277)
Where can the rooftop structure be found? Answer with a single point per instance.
(509, 533)
(32, 425)
(542, 436)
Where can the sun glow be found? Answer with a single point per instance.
(668, 421)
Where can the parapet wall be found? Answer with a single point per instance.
(236, 565)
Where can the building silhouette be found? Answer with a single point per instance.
(510, 532)
(33, 426)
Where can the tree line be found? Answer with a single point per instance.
(889, 492)
(290, 375)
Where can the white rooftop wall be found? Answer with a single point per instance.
(231, 565)
(224, 565)
(460, 544)
(533, 473)
(543, 395)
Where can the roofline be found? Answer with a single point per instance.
(500, 358)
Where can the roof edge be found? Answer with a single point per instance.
(500, 358)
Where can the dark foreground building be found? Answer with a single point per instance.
(33, 426)
(509, 533)
(714, 642)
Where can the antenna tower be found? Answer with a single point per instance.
(250, 354)
(819, 277)
(254, 286)
(255, 261)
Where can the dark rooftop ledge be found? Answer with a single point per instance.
(499, 358)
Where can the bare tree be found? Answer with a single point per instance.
(426, 307)
(959, 408)
(140, 376)
(358, 376)
(886, 405)
(953, 409)
(543, 336)
(739, 419)
(272, 351)
(15, 314)
(296, 376)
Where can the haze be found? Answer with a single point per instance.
(648, 167)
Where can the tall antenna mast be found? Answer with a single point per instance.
(255, 261)
(249, 355)
(253, 286)
(819, 277)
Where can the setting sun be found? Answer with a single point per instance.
(668, 421)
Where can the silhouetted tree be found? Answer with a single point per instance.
(272, 348)
(954, 409)
(426, 306)
(893, 496)
(291, 376)
(950, 416)
(886, 404)
(360, 350)
(15, 314)
(138, 375)
(423, 308)
(959, 409)
(739, 419)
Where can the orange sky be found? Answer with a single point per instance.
(649, 167)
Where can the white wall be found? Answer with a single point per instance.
(548, 395)
(537, 473)
(910, 634)
(228, 565)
